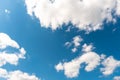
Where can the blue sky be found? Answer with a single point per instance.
(45, 47)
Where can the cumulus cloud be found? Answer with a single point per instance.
(116, 78)
(16, 75)
(75, 42)
(59, 67)
(13, 59)
(71, 69)
(87, 48)
(110, 64)
(6, 41)
(92, 60)
(8, 57)
(87, 15)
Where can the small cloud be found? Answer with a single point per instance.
(16, 75)
(114, 29)
(116, 78)
(110, 64)
(76, 41)
(7, 11)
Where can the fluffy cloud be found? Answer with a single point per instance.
(6, 41)
(87, 15)
(71, 69)
(87, 48)
(8, 57)
(92, 60)
(16, 75)
(13, 59)
(117, 78)
(59, 67)
(75, 42)
(110, 64)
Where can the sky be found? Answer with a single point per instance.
(60, 40)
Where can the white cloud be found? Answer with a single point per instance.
(6, 41)
(110, 64)
(87, 15)
(13, 59)
(59, 67)
(75, 42)
(87, 48)
(118, 8)
(16, 75)
(74, 50)
(71, 69)
(3, 73)
(8, 57)
(92, 60)
(116, 78)
(7, 11)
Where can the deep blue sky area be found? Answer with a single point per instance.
(45, 48)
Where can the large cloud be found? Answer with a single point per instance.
(12, 58)
(87, 15)
(71, 69)
(92, 60)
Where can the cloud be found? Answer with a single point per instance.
(71, 69)
(116, 78)
(7, 11)
(87, 48)
(16, 75)
(6, 41)
(91, 60)
(59, 67)
(75, 42)
(13, 59)
(84, 14)
(110, 64)
(8, 57)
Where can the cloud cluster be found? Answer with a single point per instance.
(91, 60)
(75, 42)
(13, 59)
(71, 69)
(87, 15)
